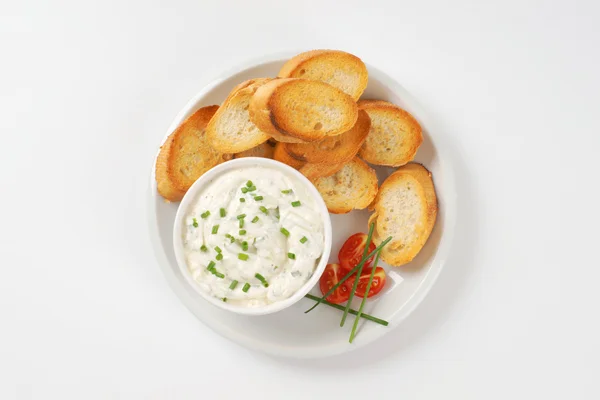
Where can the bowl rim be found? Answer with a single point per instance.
(197, 188)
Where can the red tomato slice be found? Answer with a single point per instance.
(376, 286)
(352, 251)
(330, 277)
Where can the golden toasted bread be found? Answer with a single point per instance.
(405, 209)
(337, 68)
(264, 150)
(313, 170)
(395, 135)
(302, 109)
(281, 155)
(334, 149)
(352, 187)
(186, 155)
(230, 130)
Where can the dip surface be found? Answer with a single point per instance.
(253, 236)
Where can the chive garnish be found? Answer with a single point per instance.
(205, 214)
(219, 257)
(215, 229)
(244, 190)
(242, 256)
(296, 203)
(233, 284)
(249, 184)
(252, 188)
(242, 200)
(218, 274)
(245, 246)
(284, 231)
(241, 216)
(203, 248)
(352, 271)
(264, 210)
(218, 249)
(222, 212)
(350, 311)
(355, 285)
(195, 223)
(303, 240)
(362, 303)
(261, 279)
(241, 223)
(255, 219)
(286, 191)
(246, 287)
(258, 198)
(231, 238)
(211, 265)
(224, 299)
(291, 256)
(242, 232)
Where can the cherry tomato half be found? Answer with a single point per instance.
(352, 251)
(376, 286)
(330, 277)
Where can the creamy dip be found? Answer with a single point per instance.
(253, 236)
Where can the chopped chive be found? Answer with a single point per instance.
(284, 231)
(261, 279)
(252, 188)
(242, 232)
(249, 184)
(233, 284)
(211, 265)
(222, 212)
(224, 299)
(205, 214)
(242, 256)
(241, 223)
(246, 287)
(219, 256)
(258, 198)
(303, 240)
(276, 267)
(245, 246)
(231, 238)
(296, 203)
(255, 219)
(203, 248)
(218, 274)
(218, 249)
(244, 190)
(242, 200)
(215, 229)
(277, 212)
(286, 191)
(291, 256)
(195, 223)
(241, 216)
(264, 210)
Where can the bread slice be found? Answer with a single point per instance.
(186, 155)
(352, 187)
(264, 150)
(337, 68)
(302, 109)
(334, 149)
(313, 171)
(405, 209)
(395, 135)
(230, 130)
(281, 155)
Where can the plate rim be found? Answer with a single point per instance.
(450, 203)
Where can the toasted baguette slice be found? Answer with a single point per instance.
(264, 150)
(352, 187)
(313, 171)
(230, 130)
(337, 68)
(185, 155)
(395, 135)
(334, 149)
(281, 155)
(405, 209)
(302, 109)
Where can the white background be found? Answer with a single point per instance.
(87, 90)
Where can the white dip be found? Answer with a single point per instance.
(278, 263)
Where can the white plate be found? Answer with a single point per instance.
(318, 334)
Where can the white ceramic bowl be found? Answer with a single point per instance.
(237, 164)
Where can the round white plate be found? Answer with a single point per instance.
(318, 334)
